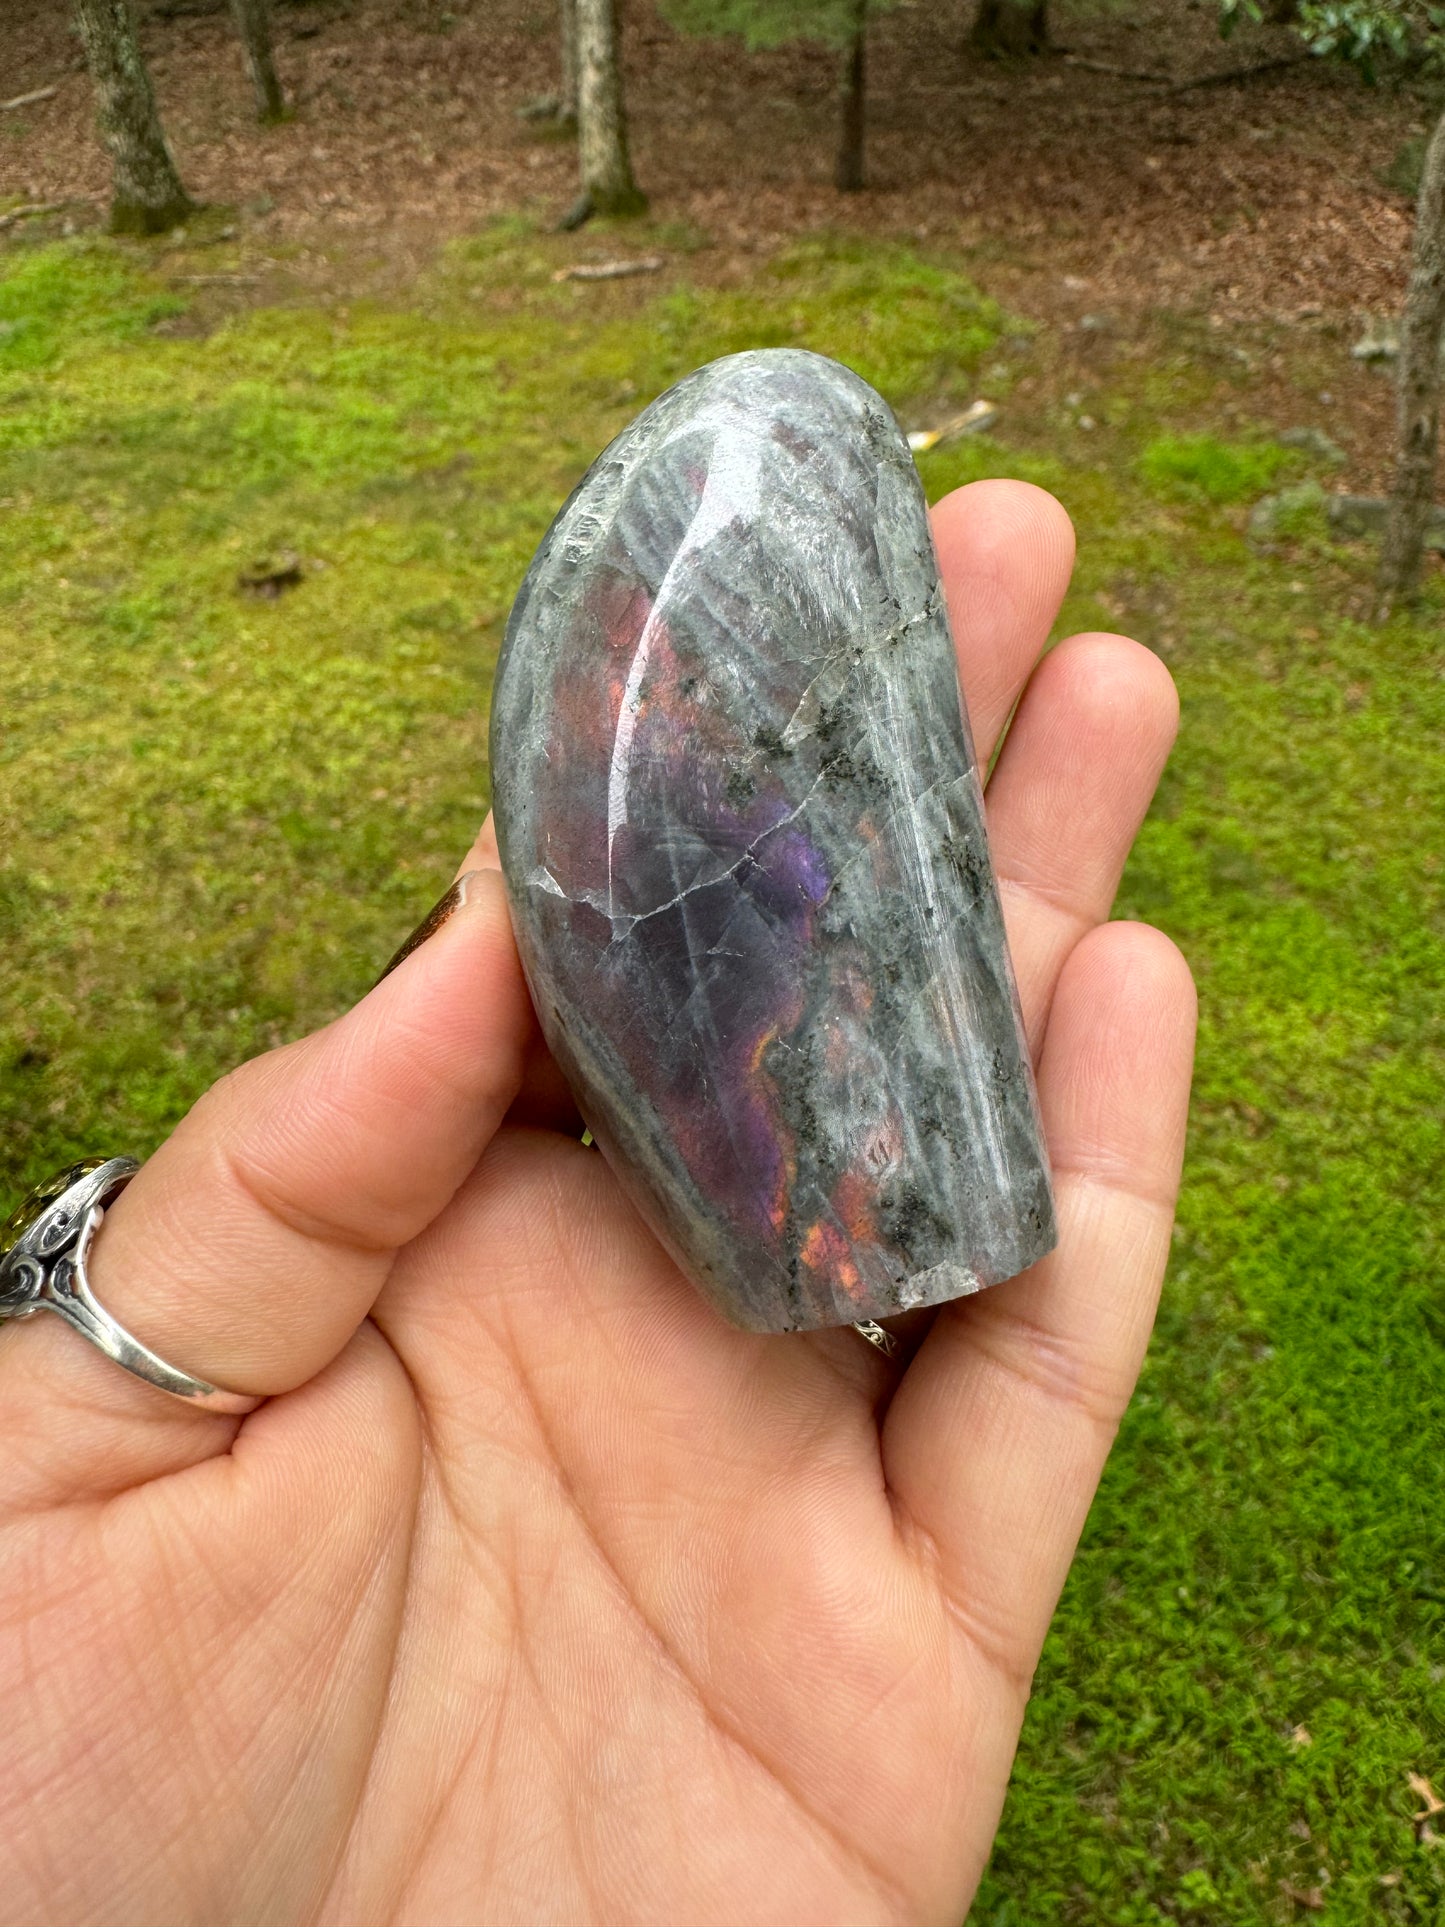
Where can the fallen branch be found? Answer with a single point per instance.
(977, 419)
(29, 213)
(609, 270)
(28, 100)
(1229, 75)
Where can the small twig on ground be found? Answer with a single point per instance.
(28, 100)
(1122, 73)
(204, 279)
(609, 270)
(1229, 75)
(29, 212)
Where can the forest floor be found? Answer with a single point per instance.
(219, 810)
(1277, 208)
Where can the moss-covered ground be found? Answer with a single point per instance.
(220, 811)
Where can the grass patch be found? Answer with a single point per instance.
(218, 815)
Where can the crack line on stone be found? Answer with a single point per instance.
(724, 876)
(907, 803)
(541, 878)
(860, 651)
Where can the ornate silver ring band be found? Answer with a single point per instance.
(877, 1337)
(43, 1253)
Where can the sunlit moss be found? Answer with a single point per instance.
(1214, 470)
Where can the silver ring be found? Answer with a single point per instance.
(880, 1340)
(43, 1267)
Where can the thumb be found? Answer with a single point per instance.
(254, 1242)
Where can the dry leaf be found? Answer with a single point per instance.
(1433, 1803)
(1311, 1897)
(1302, 1736)
(1425, 1835)
(1392, 1878)
(269, 575)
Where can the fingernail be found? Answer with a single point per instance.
(440, 913)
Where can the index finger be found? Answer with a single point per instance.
(1006, 552)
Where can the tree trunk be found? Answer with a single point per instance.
(253, 24)
(607, 183)
(1011, 27)
(146, 192)
(848, 173)
(567, 92)
(1418, 432)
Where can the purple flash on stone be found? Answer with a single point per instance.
(742, 832)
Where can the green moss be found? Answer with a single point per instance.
(219, 815)
(70, 300)
(1201, 466)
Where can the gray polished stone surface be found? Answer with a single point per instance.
(742, 832)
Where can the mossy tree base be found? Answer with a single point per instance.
(253, 25)
(134, 217)
(620, 203)
(1009, 29)
(147, 194)
(602, 157)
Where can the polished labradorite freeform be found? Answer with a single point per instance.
(742, 832)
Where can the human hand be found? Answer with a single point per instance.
(535, 1592)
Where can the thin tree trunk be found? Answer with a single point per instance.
(567, 92)
(146, 192)
(1418, 433)
(253, 24)
(1011, 27)
(848, 172)
(607, 183)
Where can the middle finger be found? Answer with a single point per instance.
(1074, 778)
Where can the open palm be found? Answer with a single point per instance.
(536, 1592)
